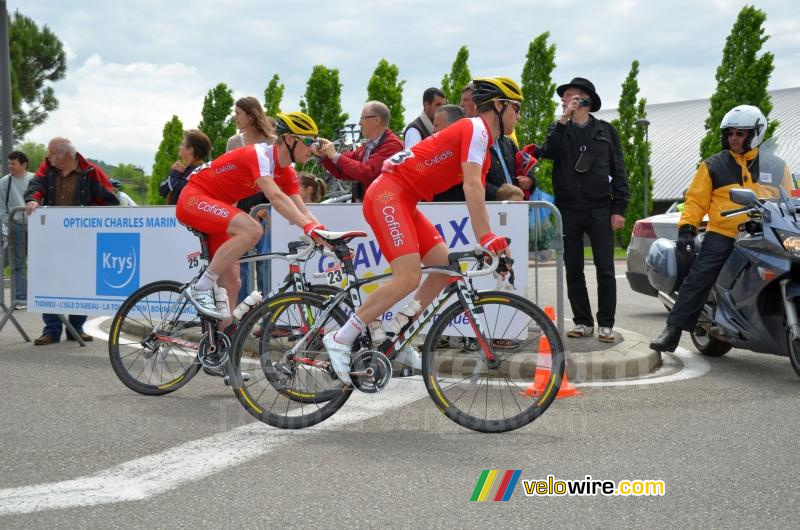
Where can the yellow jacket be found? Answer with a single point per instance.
(709, 190)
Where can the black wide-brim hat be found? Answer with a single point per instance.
(585, 85)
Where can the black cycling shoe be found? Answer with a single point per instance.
(668, 340)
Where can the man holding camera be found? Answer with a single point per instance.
(591, 192)
(362, 165)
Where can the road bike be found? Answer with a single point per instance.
(504, 384)
(158, 341)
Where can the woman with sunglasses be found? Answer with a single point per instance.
(458, 154)
(207, 203)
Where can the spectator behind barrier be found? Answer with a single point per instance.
(312, 188)
(12, 195)
(254, 127)
(124, 198)
(447, 115)
(192, 152)
(364, 164)
(66, 178)
(509, 192)
(467, 103)
(422, 126)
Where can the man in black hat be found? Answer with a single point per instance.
(591, 192)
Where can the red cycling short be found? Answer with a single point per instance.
(400, 228)
(199, 210)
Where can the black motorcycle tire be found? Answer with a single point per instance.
(794, 353)
(708, 345)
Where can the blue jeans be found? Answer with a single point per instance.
(53, 325)
(20, 285)
(262, 271)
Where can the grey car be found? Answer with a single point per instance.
(645, 231)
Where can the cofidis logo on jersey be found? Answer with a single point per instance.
(118, 257)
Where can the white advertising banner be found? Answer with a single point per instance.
(452, 221)
(86, 261)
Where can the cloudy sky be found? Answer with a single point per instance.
(132, 65)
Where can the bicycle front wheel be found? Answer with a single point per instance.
(153, 339)
(278, 346)
(500, 395)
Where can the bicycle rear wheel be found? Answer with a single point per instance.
(502, 397)
(149, 361)
(282, 390)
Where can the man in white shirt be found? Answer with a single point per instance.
(12, 191)
(422, 127)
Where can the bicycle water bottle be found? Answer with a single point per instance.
(221, 300)
(251, 300)
(403, 317)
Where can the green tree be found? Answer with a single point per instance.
(742, 77)
(458, 78)
(323, 100)
(133, 181)
(539, 108)
(36, 154)
(383, 86)
(166, 155)
(37, 56)
(217, 118)
(273, 95)
(634, 150)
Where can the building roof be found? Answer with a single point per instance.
(676, 129)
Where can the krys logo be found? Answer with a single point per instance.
(118, 257)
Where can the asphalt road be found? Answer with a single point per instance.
(81, 450)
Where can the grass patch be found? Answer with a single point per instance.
(619, 253)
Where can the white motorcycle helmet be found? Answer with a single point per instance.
(745, 117)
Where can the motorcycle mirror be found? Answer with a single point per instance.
(743, 196)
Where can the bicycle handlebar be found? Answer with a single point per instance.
(479, 252)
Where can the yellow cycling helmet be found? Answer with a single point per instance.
(491, 88)
(296, 123)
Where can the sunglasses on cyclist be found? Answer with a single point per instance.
(516, 105)
(308, 141)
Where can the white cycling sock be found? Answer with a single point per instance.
(350, 331)
(206, 281)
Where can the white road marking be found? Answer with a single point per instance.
(155, 474)
(92, 327)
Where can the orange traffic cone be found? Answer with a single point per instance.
(544, 366)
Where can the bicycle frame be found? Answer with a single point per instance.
(457, 285)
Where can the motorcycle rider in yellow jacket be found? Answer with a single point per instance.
(740, 164)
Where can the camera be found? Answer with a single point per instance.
(584, 102)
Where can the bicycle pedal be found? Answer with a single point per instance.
(227, 379)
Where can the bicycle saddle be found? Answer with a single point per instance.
(330, 237)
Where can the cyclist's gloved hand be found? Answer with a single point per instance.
(494, 243)
(311, 229)
(685, 243)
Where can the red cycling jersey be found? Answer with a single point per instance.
(206, 203)
(233, 176)
(434, 165)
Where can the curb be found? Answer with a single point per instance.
(626, 359)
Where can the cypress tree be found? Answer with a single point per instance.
(166, 155)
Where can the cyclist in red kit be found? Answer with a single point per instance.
(207, 203)
(457, 155)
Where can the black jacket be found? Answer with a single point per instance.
(496, 177)
(604, 184)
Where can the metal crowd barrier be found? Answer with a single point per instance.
(545, 237)
(6, 310)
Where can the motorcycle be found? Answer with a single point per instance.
(754, 302)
